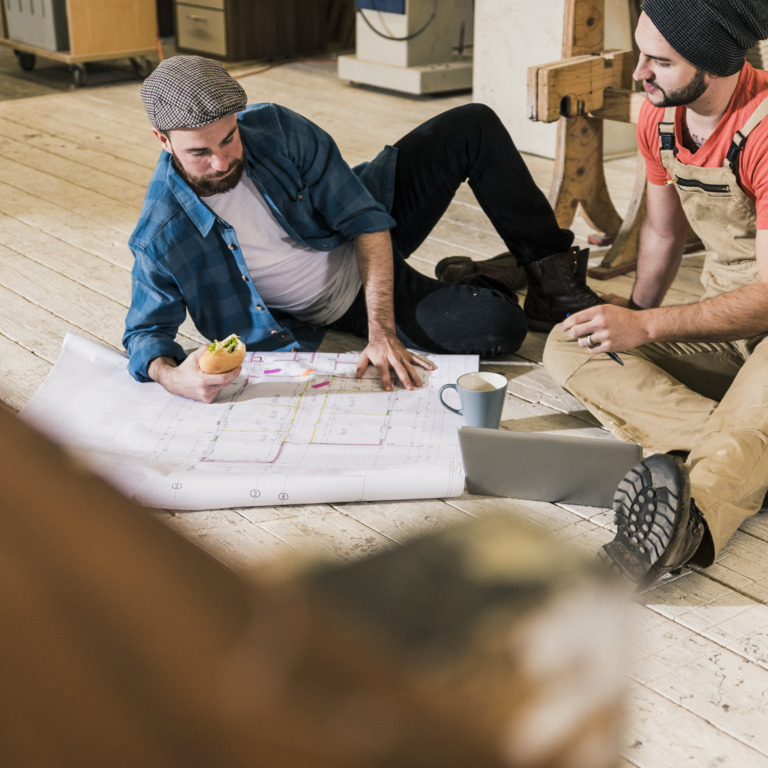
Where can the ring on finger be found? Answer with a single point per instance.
(590, 343)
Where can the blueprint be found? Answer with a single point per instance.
(294, 428)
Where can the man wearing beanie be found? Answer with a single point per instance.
(694, 386)
(255, 225)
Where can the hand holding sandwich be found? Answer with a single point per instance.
(187, 378)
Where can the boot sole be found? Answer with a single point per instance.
(646, 506)
(450, 261)
(466, 267)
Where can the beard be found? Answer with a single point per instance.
(685, 95)
(205, 186)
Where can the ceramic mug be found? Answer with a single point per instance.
(481, 395)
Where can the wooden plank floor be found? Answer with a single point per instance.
(73, 168)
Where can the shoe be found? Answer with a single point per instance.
(503, 269)
(557, 286)
(659, 527)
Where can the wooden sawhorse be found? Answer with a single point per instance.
(590, 85)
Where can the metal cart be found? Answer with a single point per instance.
(27, 58)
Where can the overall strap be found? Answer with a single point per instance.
(667, 131)
(732, 158)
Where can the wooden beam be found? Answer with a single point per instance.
(583, 27)
(579, 178)
(576, 86)
(620, 105)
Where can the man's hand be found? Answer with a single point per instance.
(610, 328)
(384, 349)
(387, 353)
(187, 380)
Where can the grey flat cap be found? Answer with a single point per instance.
(190, 91)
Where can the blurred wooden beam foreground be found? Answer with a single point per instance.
(122, 644)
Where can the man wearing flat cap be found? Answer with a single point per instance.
(694, 386)
(255, 225)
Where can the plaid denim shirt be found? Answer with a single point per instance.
(186, 259)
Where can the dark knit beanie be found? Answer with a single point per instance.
(714, 35)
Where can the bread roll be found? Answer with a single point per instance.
(223, 356)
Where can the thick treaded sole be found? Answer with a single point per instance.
(646, 506)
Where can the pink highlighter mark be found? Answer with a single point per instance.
(273, 370)
(321, 384)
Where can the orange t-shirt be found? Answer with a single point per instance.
(752, 88)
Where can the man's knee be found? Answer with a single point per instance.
(473, 121)
(480, 113)
(483, 120)
(463, 319)
(562, 356)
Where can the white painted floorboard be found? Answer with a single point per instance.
(73, 169)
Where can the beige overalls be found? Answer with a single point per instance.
(707, 398)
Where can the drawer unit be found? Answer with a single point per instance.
(201, 29)
(251, 29)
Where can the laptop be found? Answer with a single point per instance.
(545, 467)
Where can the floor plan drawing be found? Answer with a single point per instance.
(294, 428)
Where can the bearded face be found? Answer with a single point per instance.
(682, 96)
(205, 185)
(210, 158)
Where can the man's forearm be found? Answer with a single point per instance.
(384, 350)
(660, 246)
(374, 258)
(738, 314)
(658, 261)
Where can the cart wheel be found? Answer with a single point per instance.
(142, 67)
(79, 74)
(27, 61)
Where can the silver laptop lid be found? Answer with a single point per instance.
(545, 467)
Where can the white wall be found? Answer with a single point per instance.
(512, 35)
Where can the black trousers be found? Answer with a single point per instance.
(468, 143)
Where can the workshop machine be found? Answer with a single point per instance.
(412, 46)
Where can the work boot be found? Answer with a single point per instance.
(503, 269)
(557, 287)
(659, 527)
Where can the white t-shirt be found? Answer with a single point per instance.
(314, 286)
